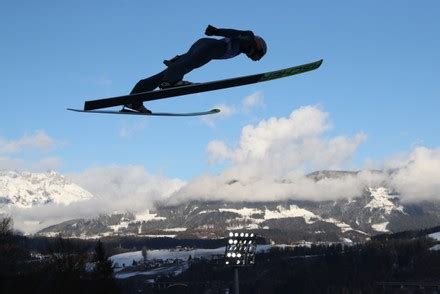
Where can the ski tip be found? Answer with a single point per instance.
(76, 110)
(317, 63)
(215, 110)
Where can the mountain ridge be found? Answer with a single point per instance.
(282, 221)
(376, 210)
(26, 189)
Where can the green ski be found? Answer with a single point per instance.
(202, 87)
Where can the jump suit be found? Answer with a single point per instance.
(200, 53)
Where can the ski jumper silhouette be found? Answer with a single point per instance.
(233, 43)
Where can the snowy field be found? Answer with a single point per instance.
(435, 236)
(177, 269)
(164, 254)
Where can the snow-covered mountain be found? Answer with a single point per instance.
(26, 190)
(376, 211)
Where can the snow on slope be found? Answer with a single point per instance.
(147, 216)
(293, 211)
(381, 227)
(382, 200)
(25, 189)
(244, 212)
(279, 213)
(435, 236)
(435, 248)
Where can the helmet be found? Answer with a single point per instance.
(260, 46)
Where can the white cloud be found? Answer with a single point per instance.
(39, 140)
(218, 151)
(232, 186)
(270, 160)
(41, 165)
(31, 147)
(247, 104)
(225, 112)
(125, 188)
(115, 189)
(283, 144)
(417, 176)
(127, 130)
(252, 101)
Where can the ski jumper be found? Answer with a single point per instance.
(201, 52)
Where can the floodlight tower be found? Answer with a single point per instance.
(240, 252)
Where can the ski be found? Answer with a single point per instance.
(130, 112)
(200, 87)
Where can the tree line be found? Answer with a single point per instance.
(377, 266)
(66, 266)
(82, 266)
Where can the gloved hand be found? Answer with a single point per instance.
(210, 30)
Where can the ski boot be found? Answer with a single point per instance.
(167, 85)
(136, 108)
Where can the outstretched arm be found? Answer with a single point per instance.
(228, 33)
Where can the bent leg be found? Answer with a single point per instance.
(200, 53)
(148, 84)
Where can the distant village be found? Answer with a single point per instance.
(146, 264)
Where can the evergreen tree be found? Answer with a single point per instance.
(6, 225)
(103, 265)
(103, 281)
(145, 254)
(64, 268)
(13, 255)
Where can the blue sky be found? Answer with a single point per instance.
(379, 80)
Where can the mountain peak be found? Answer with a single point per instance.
(27, 189)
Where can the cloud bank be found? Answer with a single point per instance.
(125, 188)
(115, 189)
(417, 175)
(268, 162)
(292, 143)
(271, 160)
